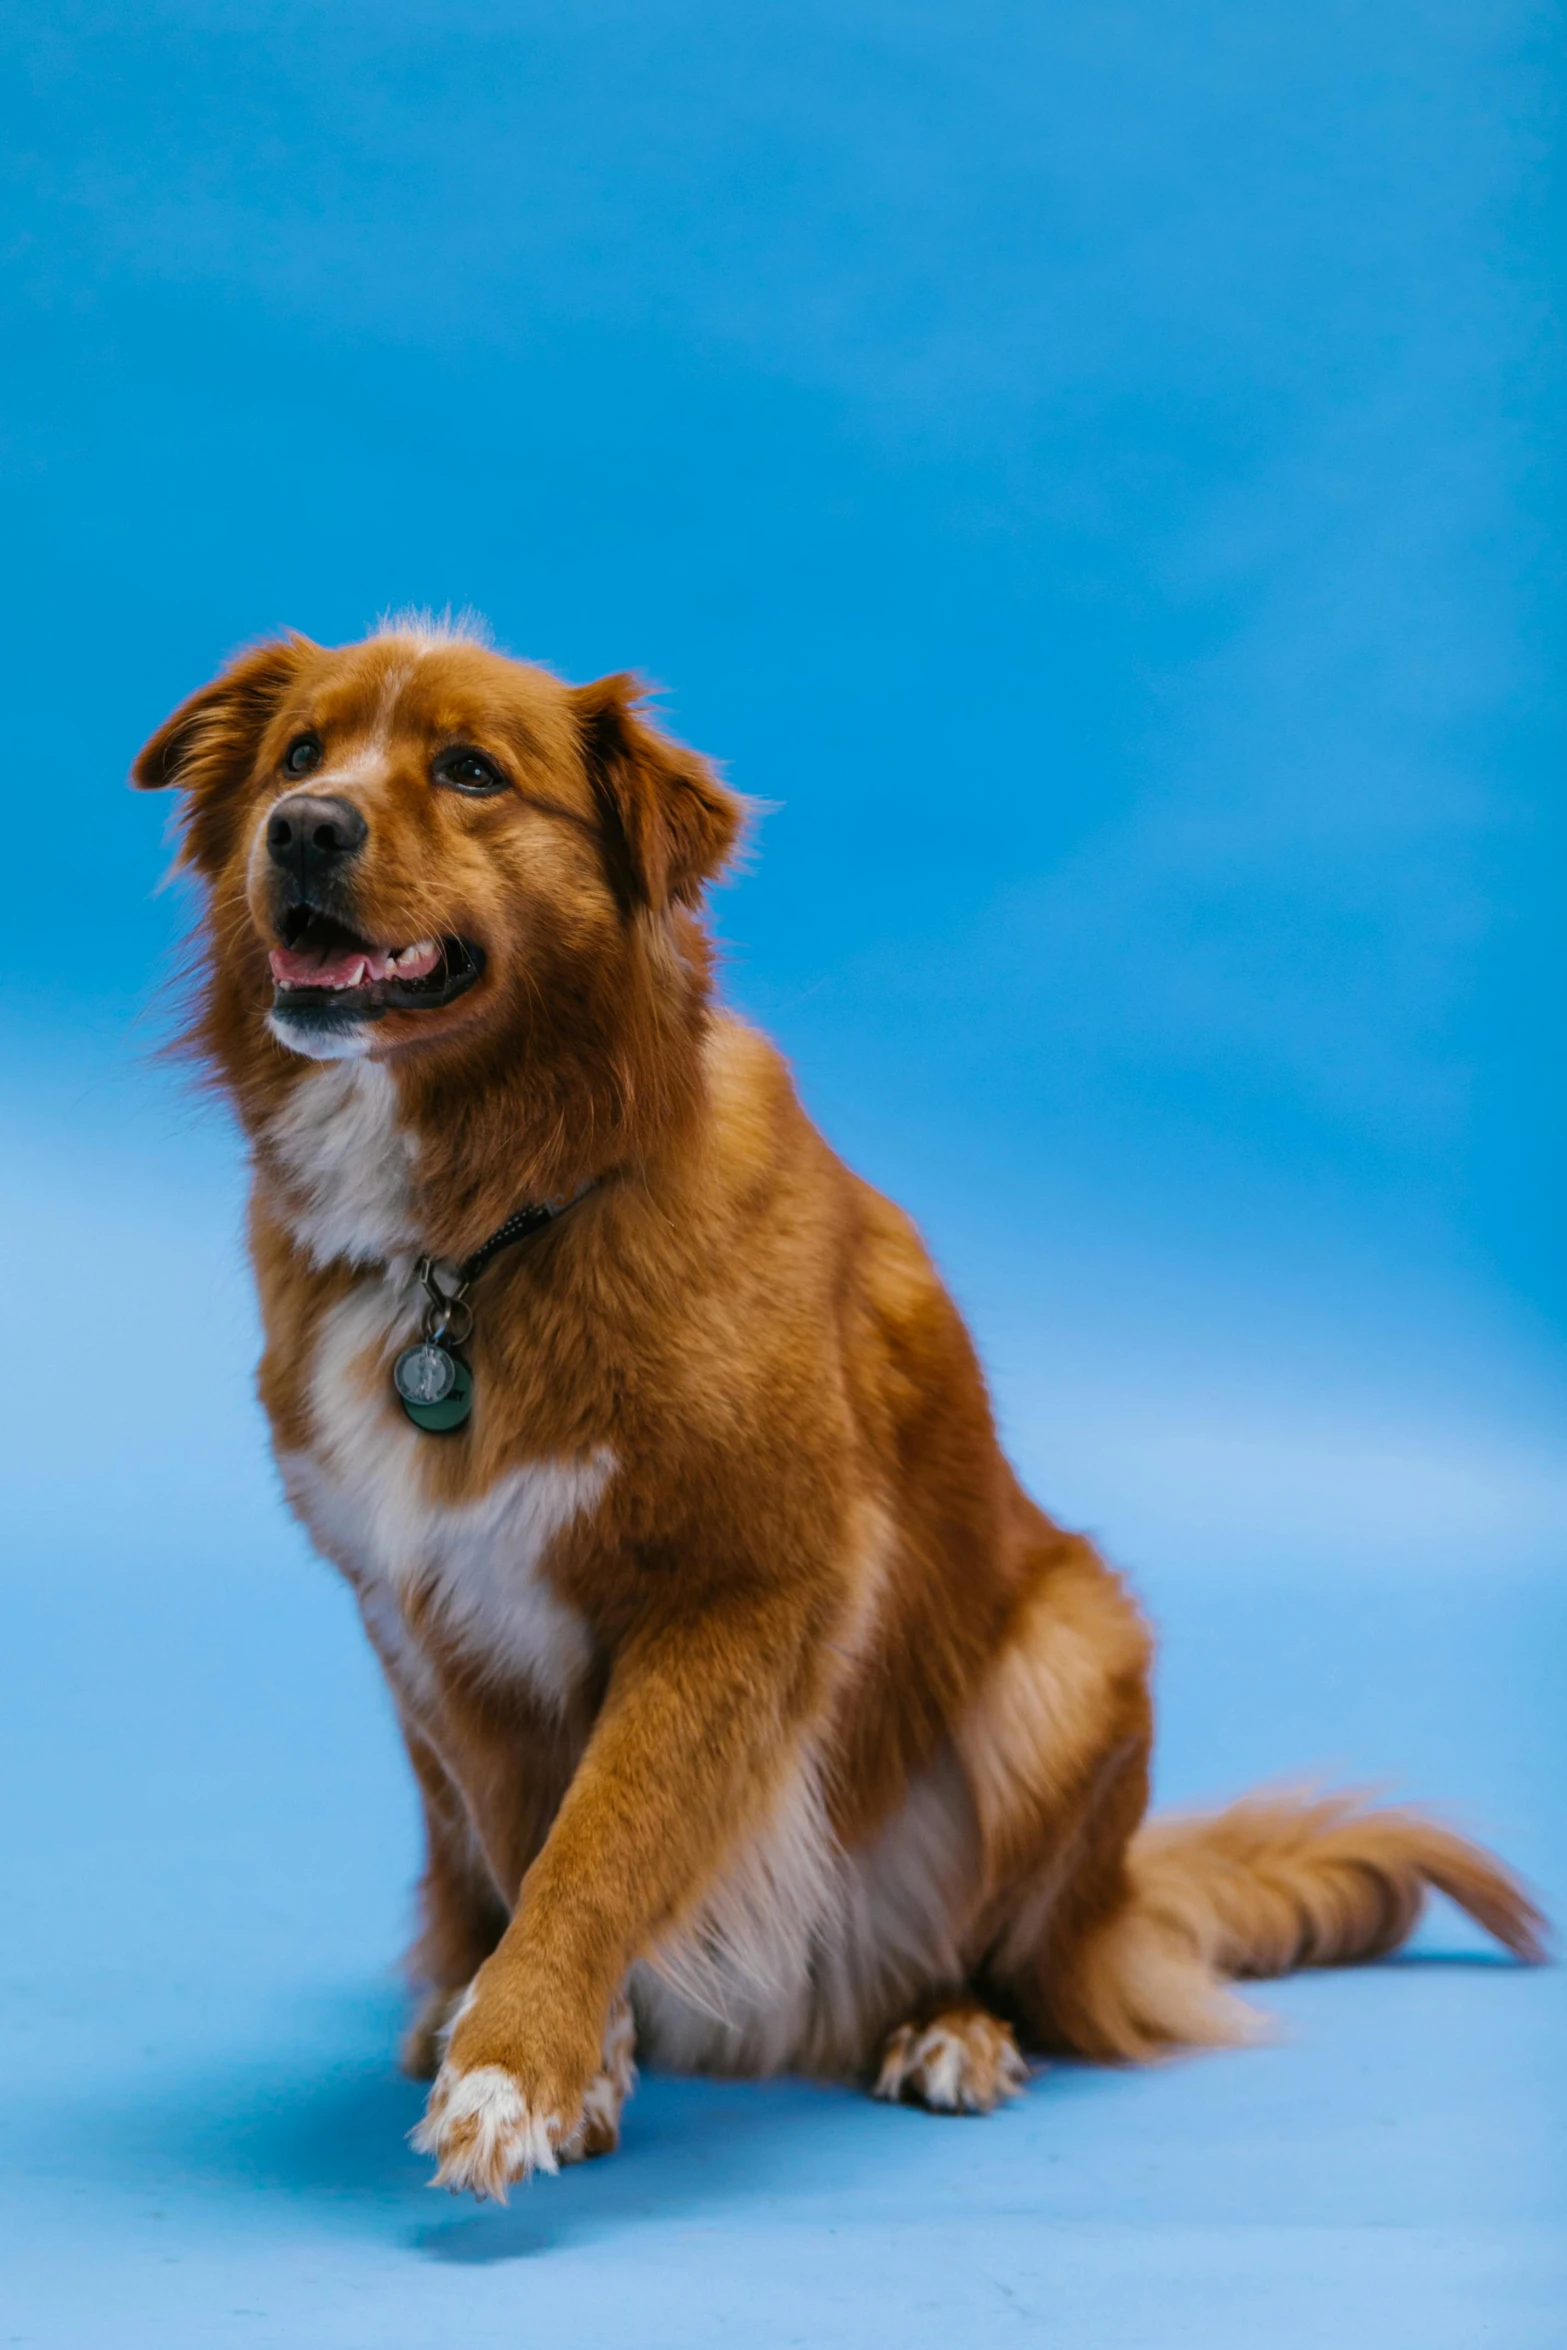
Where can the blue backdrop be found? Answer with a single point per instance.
(1093, 474)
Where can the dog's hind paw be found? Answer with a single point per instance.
(960, 2060)
(607, 2092)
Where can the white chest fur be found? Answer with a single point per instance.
(347, 1163)
(477, 1568)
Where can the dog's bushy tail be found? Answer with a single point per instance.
(1274, 1883)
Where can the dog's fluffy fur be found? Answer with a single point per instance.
(747, 1693)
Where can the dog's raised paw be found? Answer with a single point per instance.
(483, 2133)
(963, 2060)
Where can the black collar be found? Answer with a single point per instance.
(521, 1224)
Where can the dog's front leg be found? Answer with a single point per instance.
(696, 1726)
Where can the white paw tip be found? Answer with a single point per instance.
(479, 2127)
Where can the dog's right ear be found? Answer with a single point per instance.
(208, 747)
(669, 823)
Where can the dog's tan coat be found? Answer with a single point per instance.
(736, 1669)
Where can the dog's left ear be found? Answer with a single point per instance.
(207, 748)
(669, 823)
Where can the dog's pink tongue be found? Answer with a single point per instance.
(308, 967)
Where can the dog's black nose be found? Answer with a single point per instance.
(310, 837)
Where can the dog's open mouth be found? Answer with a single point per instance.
(324, 967)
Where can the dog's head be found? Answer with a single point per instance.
(414, 846)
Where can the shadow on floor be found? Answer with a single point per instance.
(318, 2125)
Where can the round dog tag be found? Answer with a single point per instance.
(453, 1407)
(424, 1374)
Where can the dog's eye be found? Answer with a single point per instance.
(469, 771)
(303, 753)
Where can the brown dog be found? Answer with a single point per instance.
(759, 1715)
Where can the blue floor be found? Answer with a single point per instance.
(208, 1845)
